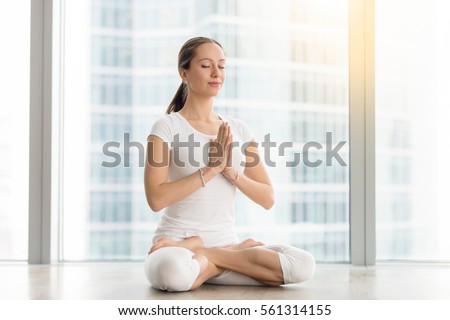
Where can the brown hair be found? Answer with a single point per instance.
(186, 54)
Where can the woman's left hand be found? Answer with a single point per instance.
(220, 149)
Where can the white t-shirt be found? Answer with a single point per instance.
(209, 211)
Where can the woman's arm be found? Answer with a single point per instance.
(159, 192)
(255, 182)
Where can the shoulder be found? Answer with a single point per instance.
(164, 126)
(167, 119)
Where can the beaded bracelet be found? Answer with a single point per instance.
(202, 177)
(235, 178)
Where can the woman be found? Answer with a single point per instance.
(196, 160)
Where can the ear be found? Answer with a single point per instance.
(183, 74)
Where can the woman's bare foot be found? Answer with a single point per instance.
(247, 243)
(208, 270)
(191, 243)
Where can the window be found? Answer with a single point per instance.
(119, 61)
(412, 115)
(14, 129)
(287, 77)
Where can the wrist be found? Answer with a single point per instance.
(211, 168)
(227, 170)
(231, 175)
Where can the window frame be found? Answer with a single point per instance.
(45, 105)
(362, 131)
(41, 107)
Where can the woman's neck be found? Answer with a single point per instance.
(198, 108)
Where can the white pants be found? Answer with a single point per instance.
(174, 269)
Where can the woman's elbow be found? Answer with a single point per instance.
(154, 198)
(154, 204)
(269, 205)
(155, 208)
(268, 202)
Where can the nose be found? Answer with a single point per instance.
(215, 72)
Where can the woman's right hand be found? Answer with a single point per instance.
(220, 148)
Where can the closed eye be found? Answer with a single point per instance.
(205, 66)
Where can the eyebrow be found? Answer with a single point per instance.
(209, 59)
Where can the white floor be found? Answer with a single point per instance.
(123, 281)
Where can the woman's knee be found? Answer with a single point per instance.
(304, 268)
(297, 264)
(171, 269)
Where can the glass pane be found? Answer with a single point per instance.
(412, 115)
(287, 77)
(14, 129)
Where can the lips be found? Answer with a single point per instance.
(214, 83)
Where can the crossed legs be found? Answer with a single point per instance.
(247, 258)
(256, 262)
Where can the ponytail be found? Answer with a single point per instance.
(178, 100)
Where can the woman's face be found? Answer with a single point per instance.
(206, 72)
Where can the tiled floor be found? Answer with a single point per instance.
(123, 281)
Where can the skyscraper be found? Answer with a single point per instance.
(286, 77)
